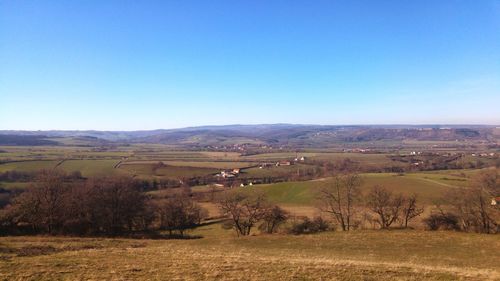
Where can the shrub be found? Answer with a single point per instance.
(308, 226)
(442, 221)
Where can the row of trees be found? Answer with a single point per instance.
(98, 206)
(473, 209)
(467, 209)
(342, 199)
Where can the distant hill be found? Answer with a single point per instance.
(273, 134)
(25, 140)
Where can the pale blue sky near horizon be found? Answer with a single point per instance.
(139, 65)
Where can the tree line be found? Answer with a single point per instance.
(112, 206)
(108, 206)
(464, 209)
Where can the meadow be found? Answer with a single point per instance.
(215, 253)
(220, 255)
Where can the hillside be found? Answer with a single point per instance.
(276, 134)
(219, 255)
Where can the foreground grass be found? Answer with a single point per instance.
(366, 255)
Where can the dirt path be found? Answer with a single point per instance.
(59, 163)
(437, 182)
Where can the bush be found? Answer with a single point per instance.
(442, 221)
(273, 219)
(308, 226)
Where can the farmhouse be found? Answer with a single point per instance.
(226, 174)
(265, 165)
(495, 201)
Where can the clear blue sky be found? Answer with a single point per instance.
(126, 65)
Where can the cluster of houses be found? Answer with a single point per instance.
(357, 150)
(282, 163)
(226, 174)
(491, 154)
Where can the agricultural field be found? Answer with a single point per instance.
(214, 252)
(428, 187)
(90, 167)
(148, 170)
(28, 166)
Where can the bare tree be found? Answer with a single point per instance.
(338, 199)
(410, 209)
(274, 217)
(244, 209)
(43, 204)
(473, 206)
(115, 204)
(179, 213)
(386, 205)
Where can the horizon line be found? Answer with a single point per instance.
(261, 124)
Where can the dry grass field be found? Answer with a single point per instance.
(219, 255)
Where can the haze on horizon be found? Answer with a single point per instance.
(128, 65)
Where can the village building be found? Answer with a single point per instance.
(283, 163)
(495, 201)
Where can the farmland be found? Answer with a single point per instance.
(290, 179)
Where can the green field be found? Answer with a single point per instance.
(28, 166)
(90, 167)
(176, 172)
(428, 187)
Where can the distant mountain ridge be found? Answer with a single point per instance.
(289, 134)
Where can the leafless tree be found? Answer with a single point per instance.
(43, 204)
(410, 209)
(472, 205)
(115, 204)
(179, 213)
(244, 209)
(339, 197)
(386, 205)
(274, 217)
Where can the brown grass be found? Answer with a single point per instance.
(360, 255)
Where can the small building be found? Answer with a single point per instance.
(495, 201)
(236, 171)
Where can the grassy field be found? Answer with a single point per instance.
(219, 255)
(28, 166)
(90, 167)
(147, 171)
(211, 164)
(428, 187)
